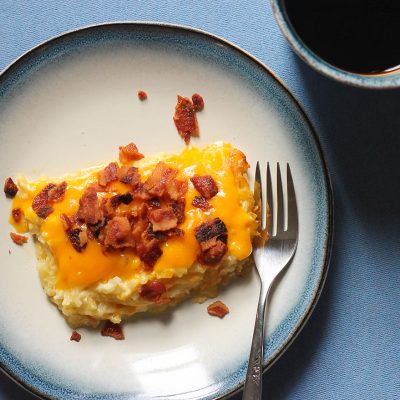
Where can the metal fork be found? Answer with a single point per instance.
(272, 252)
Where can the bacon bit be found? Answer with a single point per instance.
(214, 253)
(176, 188)
(10, 188)
(154, 203)
(57, 193)
(129, 153)
(108, 174)
(218, 309)
(17, 214)
(126, 198)
(141, 193)
(112, 330)
(212, 237)
(109, 205)
(175, 232)
(140, 223)
(89, 209)
(40, 202)
(211, 229)
(142, 95)
(66, 221)
(118, 233)
(152, 290)
(201, 202)
(18, 239)
(161, 176)
(163, 219)
(205, 185)
(78, 238)
(129, 175)
(198, 102)
(185, 119)
(95, 229)
(149, 252)
(179, 209)
(76, 337)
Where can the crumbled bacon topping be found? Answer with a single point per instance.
(125, 198)
(149, 252)
(152, 290)
(218, 309)
(158, 207)
(57, 193)
(108, 174)
(185, 119)
(67, 222)
(75, 336)
(212, 237)
(109, 205)
(198, 102)
(78, 238)
(18, 239)
(201, 202)
(205, 185)
(51, 193)
(129, 153)
(161, 176)
(118, 233)
(10, 188)
(176, 188)
(175, 232)
(17, 214)
(112, 330)
(129, 176)
(142, 95)
(141, 193)
(40, 203)
(163, 219)
(89, 209)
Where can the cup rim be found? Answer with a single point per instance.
(382, 81)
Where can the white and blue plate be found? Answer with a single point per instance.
(68, 104)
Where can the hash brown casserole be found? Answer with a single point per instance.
(142, 234)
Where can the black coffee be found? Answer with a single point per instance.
(358, 36)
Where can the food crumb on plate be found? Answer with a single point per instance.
(18, 239)
(198, 102)
(142, 95)
(10, 188)
(218, 309)
(76, 337)
(185, 116)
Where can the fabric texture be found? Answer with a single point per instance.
(350, 347)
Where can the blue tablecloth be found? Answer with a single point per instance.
(350, 348)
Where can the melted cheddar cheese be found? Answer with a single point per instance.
(224, 163)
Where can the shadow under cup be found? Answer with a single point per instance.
(353, 42)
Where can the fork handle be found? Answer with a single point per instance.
(253, 384)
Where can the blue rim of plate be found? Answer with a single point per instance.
(288, 330)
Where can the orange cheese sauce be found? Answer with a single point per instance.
(93, 265)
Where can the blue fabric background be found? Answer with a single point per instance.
(350, 348)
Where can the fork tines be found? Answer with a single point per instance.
(272, 211)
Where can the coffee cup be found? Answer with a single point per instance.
(353, 42)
